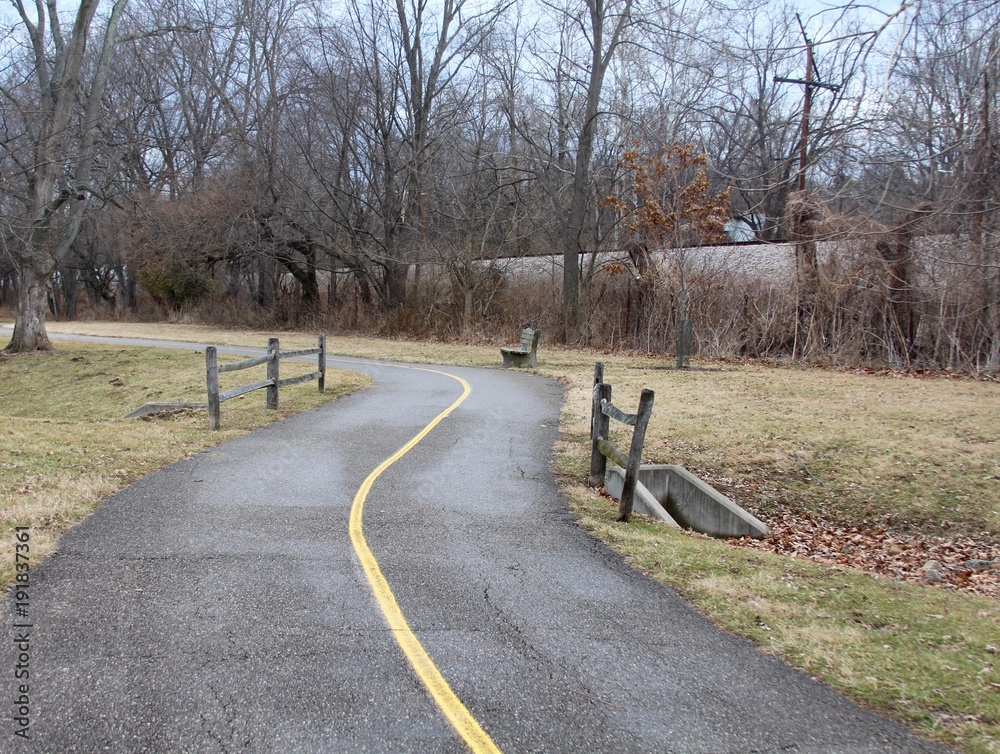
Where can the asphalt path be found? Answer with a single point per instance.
(218, 605)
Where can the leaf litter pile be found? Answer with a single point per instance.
(961, 563)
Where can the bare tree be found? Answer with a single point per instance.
(930, 177)
(59, 166)
(608, 22)
(481, 213)
(587, 36)
(751, 124)
(669, 205)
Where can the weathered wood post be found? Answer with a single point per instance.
(685, 330)
(321, 362)
(273, 361)
(598, 379)
(635, 455)
(212, 381)
(599, 431)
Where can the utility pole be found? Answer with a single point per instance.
(802, 228)
(806, 110)
(809, 83)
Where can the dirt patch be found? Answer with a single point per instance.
(171, 414)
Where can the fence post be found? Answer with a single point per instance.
(321, 362)
(685, 330)
(212, 380)
(599, 430)
(273, 352)
(635, 455)
(598, 379)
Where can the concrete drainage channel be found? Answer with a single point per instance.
(148, 409)
(675, 495)
(664, 491)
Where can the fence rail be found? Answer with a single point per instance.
(602, 449)
(273, 382)
(245, 364)
(618, 415)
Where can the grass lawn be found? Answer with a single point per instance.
(899, 462)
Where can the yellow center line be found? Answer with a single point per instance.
(450, 705)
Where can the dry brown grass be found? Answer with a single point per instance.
(899, 451)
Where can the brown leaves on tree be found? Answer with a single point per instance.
(669, 203)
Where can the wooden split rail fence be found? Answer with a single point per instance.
(602, 449)
(273, 382)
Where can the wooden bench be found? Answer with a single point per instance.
(527, 354)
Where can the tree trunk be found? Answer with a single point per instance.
(127, 286)
(69, 282)
(265, 281)
(309, 303)
(900, 330)
(29, 321)
(468, 308)
(640, 313)
(395, 284)
(803, 222)
(604, 43)
(54, 217)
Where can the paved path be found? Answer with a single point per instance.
(219, 606)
